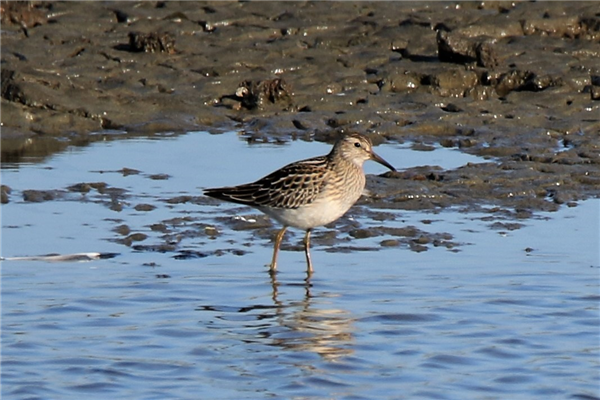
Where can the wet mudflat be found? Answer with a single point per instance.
(459, 302)
(517, 81)
(470, 273)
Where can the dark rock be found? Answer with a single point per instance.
(459, 49)
(144, 207)
(38, 196)
(27, 14)
(4, 194)
(154, 42)
(258, 94)
(80, 188)
(189, 255)
(122, 230)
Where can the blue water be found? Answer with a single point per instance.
(492, 320)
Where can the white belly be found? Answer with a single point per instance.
(321, 212)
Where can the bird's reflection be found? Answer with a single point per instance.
(325, 331)
(301, 324)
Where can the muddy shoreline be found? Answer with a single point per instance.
(517, 83)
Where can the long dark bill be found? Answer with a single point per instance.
(381, 161)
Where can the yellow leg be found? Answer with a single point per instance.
(309, 267)
(278, 240)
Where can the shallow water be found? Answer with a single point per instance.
(510, 314)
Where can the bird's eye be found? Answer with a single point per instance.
(357, 144)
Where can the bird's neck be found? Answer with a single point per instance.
(336, 163)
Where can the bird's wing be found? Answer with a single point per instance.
(292, 186)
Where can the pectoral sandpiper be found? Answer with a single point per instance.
(308, 193)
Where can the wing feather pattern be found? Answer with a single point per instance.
(292, 186)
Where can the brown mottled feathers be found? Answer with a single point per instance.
(280, 189)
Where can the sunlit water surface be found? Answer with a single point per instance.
(511, 315)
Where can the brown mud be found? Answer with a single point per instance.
(517, 83)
